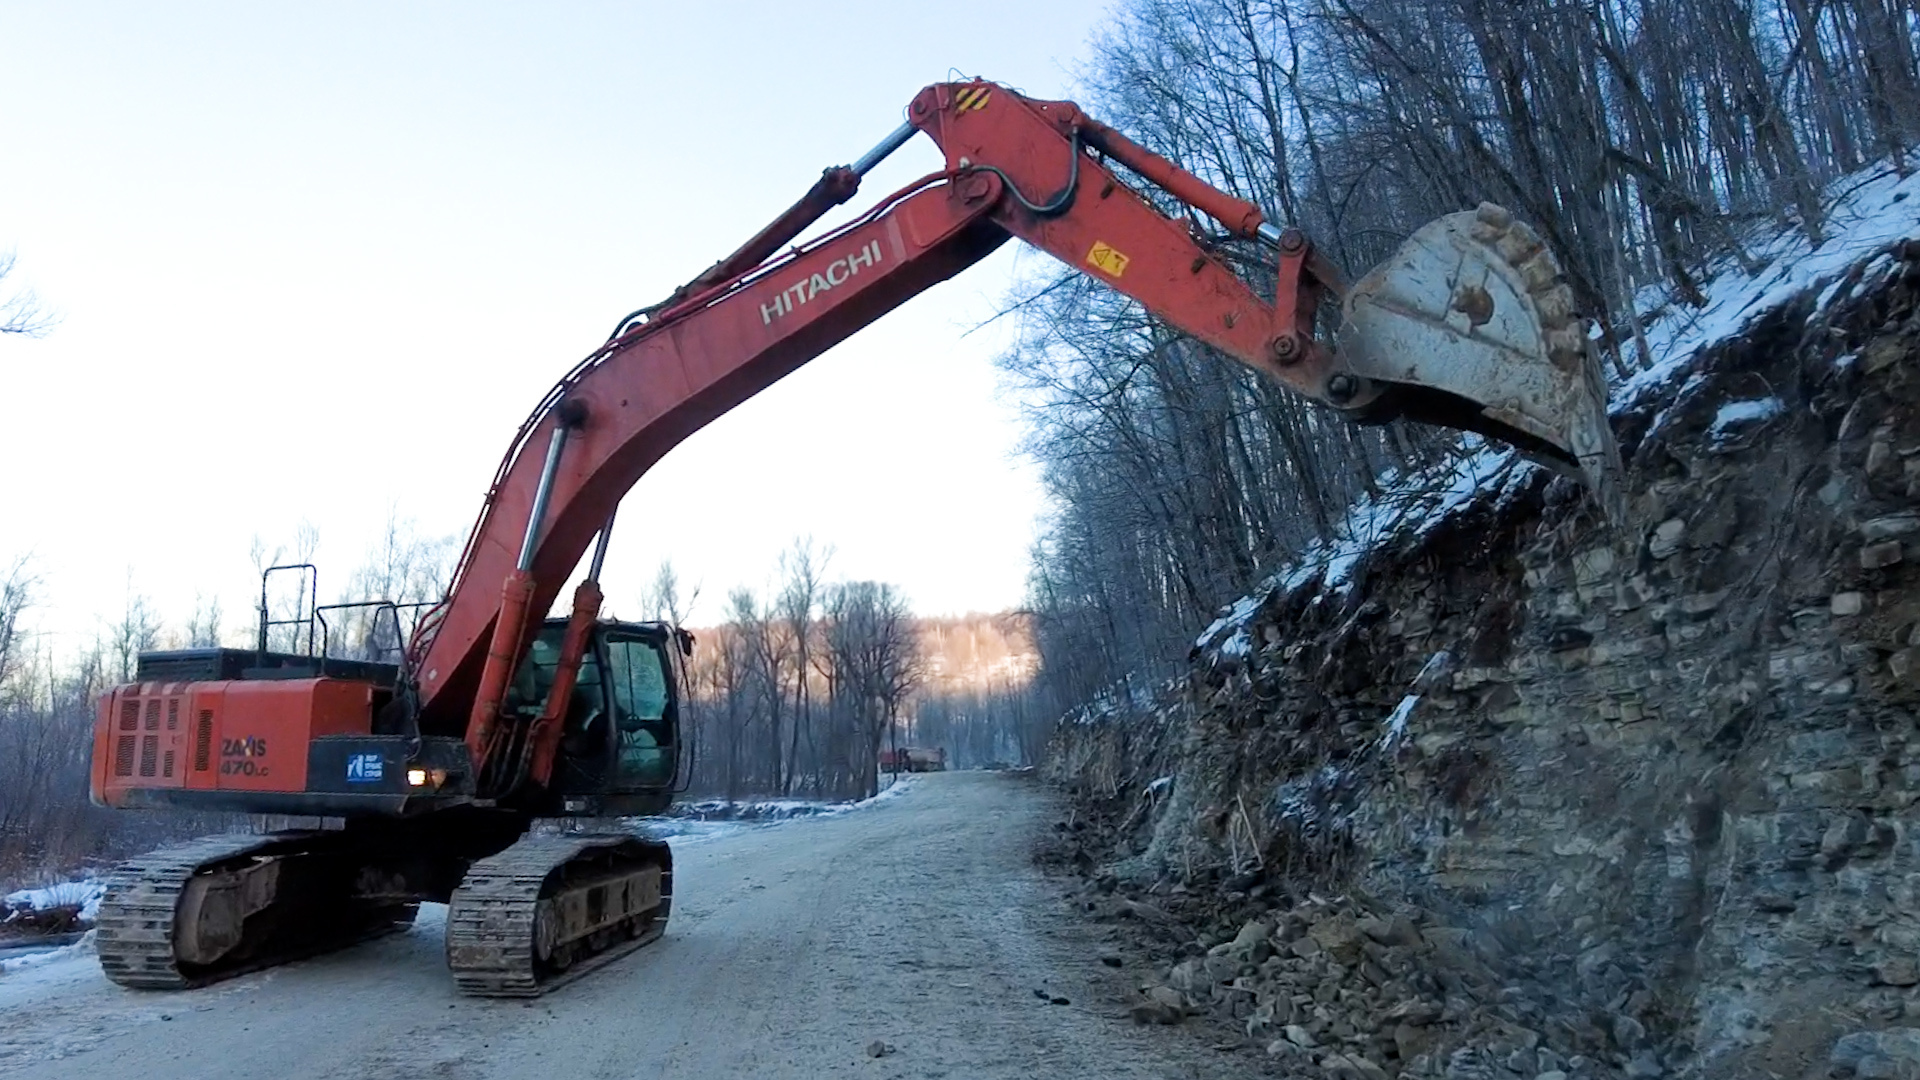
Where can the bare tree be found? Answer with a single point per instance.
(21, 311)
(796, 606)
(877, 663)
(662, 600)
(288, 599)
(137, 630)
(766, 654)
(17, 588)
(733, 676)
(402, 567)
(203, 626)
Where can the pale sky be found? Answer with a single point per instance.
(316, 261)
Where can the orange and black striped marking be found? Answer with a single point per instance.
(972, 98)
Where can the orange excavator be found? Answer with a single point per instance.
(433, 770)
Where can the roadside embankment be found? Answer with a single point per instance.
(1487, 788)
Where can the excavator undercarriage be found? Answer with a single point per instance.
(537, 912)
(444, 769)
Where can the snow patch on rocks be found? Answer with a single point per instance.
(1739, 414)
(82, 896)
(1135, 696)
(1872, 213)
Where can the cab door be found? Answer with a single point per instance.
(642, 693)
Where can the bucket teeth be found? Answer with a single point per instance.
(1470, 324)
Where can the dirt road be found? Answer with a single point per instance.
(916, 921)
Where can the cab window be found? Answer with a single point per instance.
(637, 674)
(534, 680)
(639, 679)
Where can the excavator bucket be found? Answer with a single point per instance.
(1469, 325)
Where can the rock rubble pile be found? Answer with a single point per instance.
(1345, 989)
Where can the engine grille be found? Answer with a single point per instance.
(203, 742)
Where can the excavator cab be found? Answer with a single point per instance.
(619, 744)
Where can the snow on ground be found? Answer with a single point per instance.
(691, 830)
(13, 965)
(84, 895)
(701, 821)
(768, 809)
(1872, 211)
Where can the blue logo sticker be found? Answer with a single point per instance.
(365, 768)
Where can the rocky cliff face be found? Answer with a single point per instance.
(1507, 792)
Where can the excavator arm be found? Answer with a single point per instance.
(1481, 336)
(440, 765)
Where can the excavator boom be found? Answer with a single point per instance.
(1033, 170)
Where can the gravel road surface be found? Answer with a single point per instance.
(917, 922)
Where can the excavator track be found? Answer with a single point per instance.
(139, 928)
(550, 909)
(134, 930)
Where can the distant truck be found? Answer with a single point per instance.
(913, 759)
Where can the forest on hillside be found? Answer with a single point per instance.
(1639, 138)
(808, 679)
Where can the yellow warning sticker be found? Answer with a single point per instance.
(971, 98)
(1107, 259)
